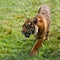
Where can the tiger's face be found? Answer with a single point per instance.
(28, 28)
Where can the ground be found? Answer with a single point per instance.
(13, 45)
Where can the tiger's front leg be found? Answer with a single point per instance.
(36, 46)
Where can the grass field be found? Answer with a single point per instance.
(13, 45)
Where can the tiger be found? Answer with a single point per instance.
(38, 26)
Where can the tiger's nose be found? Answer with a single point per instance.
(27, 35)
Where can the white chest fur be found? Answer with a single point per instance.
(36, 29)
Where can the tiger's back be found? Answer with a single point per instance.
(45, 11)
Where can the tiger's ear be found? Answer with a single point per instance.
(27, 18)
(35, 21)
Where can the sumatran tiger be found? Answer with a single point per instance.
(38, 26)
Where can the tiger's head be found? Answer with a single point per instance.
(32, 26)
(28, 28)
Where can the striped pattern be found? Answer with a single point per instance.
(45, 11)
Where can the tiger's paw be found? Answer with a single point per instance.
(33, 52)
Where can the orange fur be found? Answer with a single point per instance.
(41, 22)
(44, 24)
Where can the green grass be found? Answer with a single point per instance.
(13, 45)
